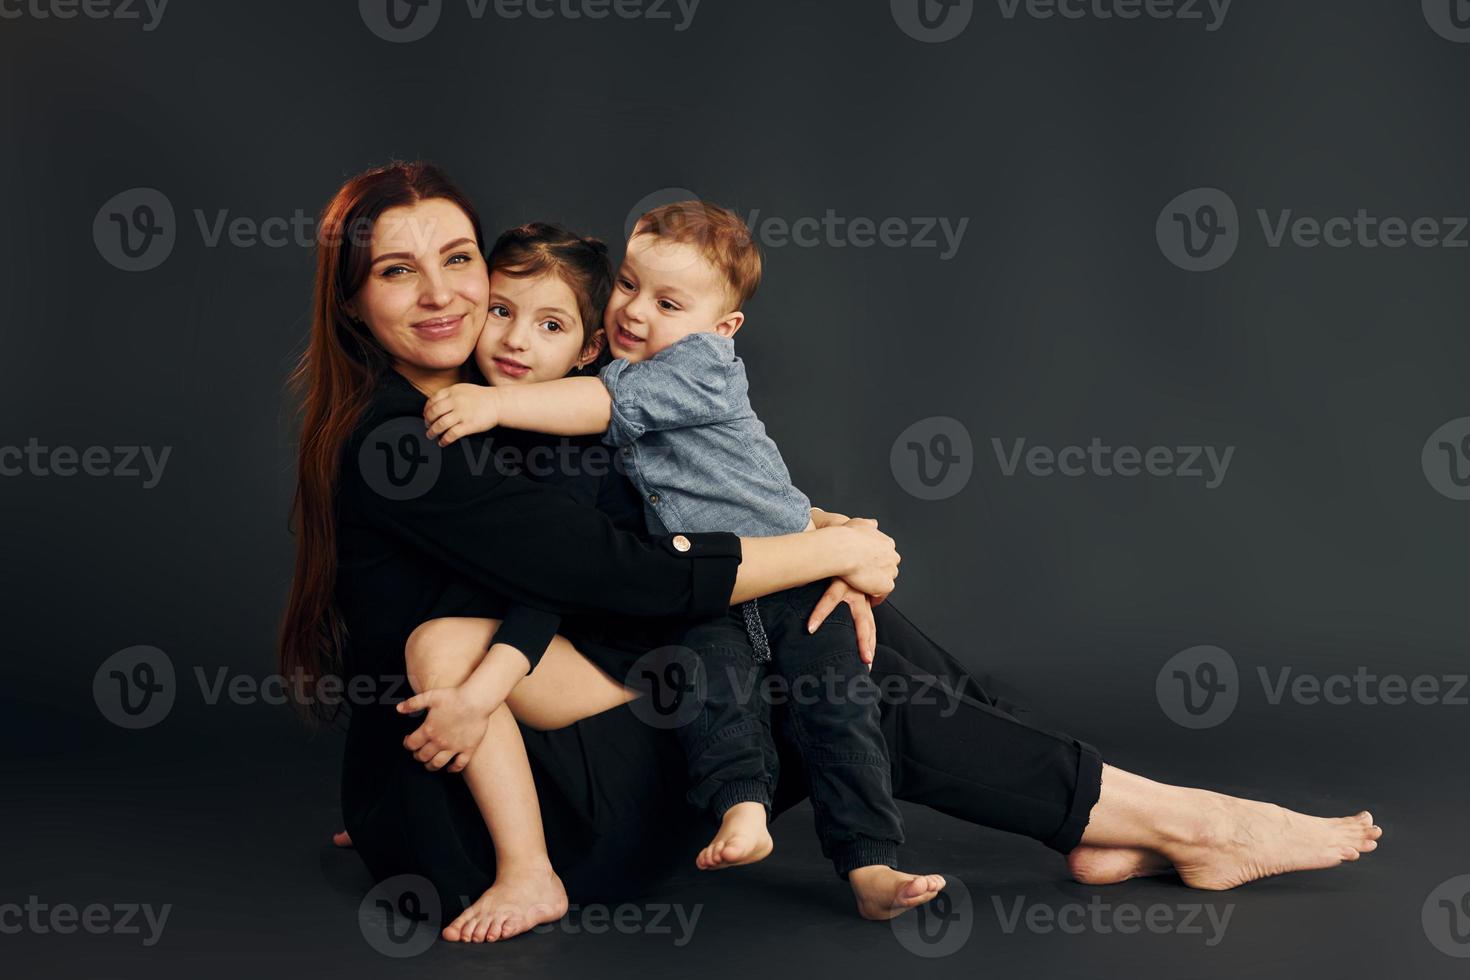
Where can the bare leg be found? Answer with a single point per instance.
(526, 891)
(1213, 841)
(743, 838)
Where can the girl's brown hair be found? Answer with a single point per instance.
(335, 379)
(539, 248)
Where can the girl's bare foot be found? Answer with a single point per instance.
(1110, 865)
(742, 839)
(1235, 841)
(883, 893)
(519, 900)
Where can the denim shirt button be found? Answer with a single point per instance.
(681, 543)
(653, 498)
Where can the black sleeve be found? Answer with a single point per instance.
(532, 543)
(528, 630)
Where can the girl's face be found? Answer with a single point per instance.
(532, 331)
(425, 294)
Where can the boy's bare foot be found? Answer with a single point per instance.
(743, 838)
(1237, 841)
(1110, 865)
(519, 900)
(883, 893)
(342, 839)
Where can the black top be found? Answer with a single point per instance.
(415, 521)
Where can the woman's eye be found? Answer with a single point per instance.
(393, 271)
(458, 258)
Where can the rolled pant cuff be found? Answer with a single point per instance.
(862, 852)
(1084, 797)
(741, 791)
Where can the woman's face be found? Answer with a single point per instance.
(425, 295)
(532, 331)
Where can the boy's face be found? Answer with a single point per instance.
(664, 292)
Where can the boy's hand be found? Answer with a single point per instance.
(862, 616)
(461, 410)
(452, 730)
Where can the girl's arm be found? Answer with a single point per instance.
(566, 407)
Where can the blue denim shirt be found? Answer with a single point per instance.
(693, 445)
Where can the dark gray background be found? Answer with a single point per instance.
(1325, 549)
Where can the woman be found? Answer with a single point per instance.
(400, 295)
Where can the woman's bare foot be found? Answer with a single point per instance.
(1111, 865)
(519, 900)
(1235, 841)
(743, 838)
(883, 893)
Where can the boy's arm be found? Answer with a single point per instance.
(567, 407)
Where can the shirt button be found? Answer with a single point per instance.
(681, 543)
(653, 498)
(627, 451)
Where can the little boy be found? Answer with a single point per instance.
(675, 403)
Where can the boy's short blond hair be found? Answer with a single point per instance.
(718, 233)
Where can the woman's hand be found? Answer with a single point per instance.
(453, 728)
(862, 616)
(826, 518)
(874, 558)
(461, 410)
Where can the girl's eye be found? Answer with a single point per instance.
(497, 309)
(553, 326)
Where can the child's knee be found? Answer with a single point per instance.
(440, 652)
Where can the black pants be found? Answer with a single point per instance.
(613, 788)
(831, 713)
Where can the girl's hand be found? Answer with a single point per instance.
(862, 616)
(453, 729)
(873, 569)
(461, 410)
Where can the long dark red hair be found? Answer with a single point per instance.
(334, 382)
